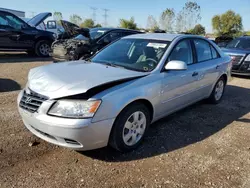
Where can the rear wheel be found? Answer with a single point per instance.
(218, 91)
(130, 127)
(42, 48)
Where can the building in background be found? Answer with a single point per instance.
(15, 12)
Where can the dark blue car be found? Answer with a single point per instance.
(239, 50)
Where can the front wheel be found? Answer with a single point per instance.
(218, 91)
(130, 127)
(42, 48)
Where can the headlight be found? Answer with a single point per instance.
(247, 58)
(74, 108)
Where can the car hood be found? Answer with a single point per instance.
(69, 27)
(235, 51)
(39, 18)
(71, 78)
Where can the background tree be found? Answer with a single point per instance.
(57, 16)
(76, 19)
(192, 15)
(98, 25)
(129, 24)
(188, 17)
(198, 30)
(180, 22)
(152, 23)
(167, 19)
(228, 23)
(88, 23)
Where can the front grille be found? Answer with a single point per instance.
(236, 59)
(31, 101)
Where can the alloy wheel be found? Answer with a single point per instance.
(219, 88)
(134, 128)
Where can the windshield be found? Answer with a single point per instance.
(242, 43)
(97, 33)
(135, 54)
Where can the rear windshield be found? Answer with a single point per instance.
(242, 43)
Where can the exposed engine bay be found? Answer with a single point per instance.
(73, 44)
(71, 49)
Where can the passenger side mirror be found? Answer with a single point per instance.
(176, 65)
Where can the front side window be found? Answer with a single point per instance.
(203, 50)
(182, 52)
(135, 54)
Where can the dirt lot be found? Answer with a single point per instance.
(201, 146)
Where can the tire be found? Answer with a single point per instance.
(216, 97)
(125, 139)
(42, 48)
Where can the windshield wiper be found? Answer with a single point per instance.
(113, 65)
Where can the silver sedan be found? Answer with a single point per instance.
(112, 98)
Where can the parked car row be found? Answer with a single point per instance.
(83, 43)
(74, 43)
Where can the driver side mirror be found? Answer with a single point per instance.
(176, 65)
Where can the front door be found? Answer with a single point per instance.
(14, 33)
(179, 88)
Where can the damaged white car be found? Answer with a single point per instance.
(113, 98)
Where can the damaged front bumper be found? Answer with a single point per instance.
(77, 134)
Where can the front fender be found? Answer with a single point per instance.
(116, 99)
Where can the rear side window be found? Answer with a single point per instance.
(214, 53)
(203, 50)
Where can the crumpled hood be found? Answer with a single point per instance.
(71, 78)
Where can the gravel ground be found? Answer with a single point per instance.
(201, 146)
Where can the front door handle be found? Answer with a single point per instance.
(218, 66)
(195, 74)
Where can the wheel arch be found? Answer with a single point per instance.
(40, 38)
(143, 101)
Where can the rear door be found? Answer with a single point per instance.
(208, 65)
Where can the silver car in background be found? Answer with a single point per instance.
(114, 97)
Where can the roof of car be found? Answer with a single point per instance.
(156, 36)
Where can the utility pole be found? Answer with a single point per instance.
(105, 17)
(94, 13)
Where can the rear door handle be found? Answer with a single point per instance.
(218, 66)
(195, 74)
